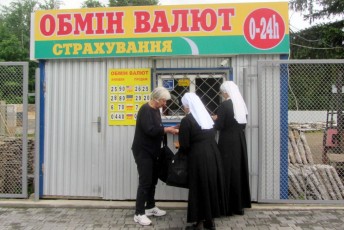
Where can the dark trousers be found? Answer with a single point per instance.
(148, 178)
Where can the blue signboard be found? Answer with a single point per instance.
(168, 84)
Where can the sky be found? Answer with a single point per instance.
(296, 22)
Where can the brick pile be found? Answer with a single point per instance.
(309, 181)
(11, 165)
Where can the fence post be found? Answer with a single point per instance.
(2, 118)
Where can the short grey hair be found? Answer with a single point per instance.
(223, 88)
(160, 93)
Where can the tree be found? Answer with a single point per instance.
(318, 42)
(50, 4)
(112, 3)
(17, 18)
(15, 22)
(91, 4)
(10, 49)
(324, 41)
(327, 8)
(132, 2)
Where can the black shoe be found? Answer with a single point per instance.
(241, 212)
(197, 226)
(209, 224)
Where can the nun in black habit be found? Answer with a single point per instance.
(206, 184)
(231, 121)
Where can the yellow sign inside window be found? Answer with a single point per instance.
(128, 89)
(184, 82)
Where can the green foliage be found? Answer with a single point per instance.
(310, 85)
(50, 4)
(15, 22)
(323, 41)
(318, 42)
(11, 50)
(112, 3)
(91, 4)
(133, 2)
(17, 18)
(11, 87)
(32, 77)
(317, 9)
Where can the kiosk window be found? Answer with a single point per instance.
(205, 85)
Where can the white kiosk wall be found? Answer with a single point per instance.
(85, 158)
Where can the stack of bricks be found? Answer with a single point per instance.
(308, 180)
(11, 156)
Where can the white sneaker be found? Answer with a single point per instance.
(155, 212)
(142, 219)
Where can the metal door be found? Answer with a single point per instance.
(74, 115)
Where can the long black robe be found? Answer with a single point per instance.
(205, 173)
(233, 149)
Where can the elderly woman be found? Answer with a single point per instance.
(231, 121)
(146, 148)
(206, 188)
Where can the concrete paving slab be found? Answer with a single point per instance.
(53, 214)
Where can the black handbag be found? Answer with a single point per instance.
(165, 158)
(178, 171)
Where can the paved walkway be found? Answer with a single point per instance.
(49, 215)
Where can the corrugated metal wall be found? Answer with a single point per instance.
(79, 161)
(269, 88)
(73, 154)
(121, 176)
(245, 74)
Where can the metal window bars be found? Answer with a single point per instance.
(205, 84)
